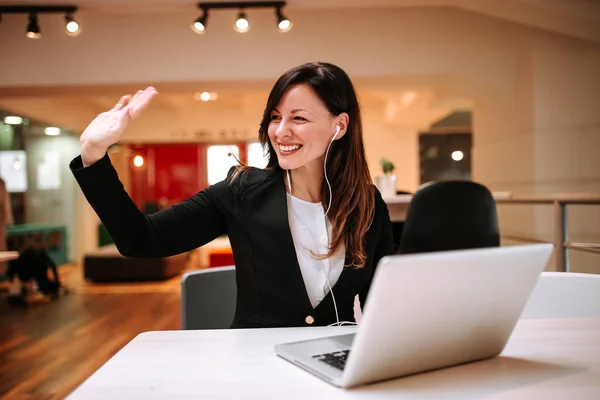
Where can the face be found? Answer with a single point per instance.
(301, 128)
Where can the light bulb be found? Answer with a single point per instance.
(241, 24)
(457, 155)
(52, 131)
(285, 25)
(138, 161)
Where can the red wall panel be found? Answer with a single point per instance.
(171, 172)
(176, 169)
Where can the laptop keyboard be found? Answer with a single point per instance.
(337, 359)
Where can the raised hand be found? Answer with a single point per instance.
(106, 129)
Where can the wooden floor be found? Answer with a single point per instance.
(49, 348)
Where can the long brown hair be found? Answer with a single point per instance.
(352, 206)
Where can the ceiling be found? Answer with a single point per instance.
(399, 105)
(581, 7)
(584, 9)
(577, 18)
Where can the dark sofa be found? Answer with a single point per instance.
(107, 265)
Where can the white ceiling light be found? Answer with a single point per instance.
(71, 26)
(13, 120)
(52, 131)
(457, 155)
(242, 25)
(199, 25)
(138, 161)
(408, 98)
(33, 28)
(33, 31)
(283, 23)
(205, 96)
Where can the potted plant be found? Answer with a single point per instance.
(387, 183)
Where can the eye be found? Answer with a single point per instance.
(275, 117)
(301, 119)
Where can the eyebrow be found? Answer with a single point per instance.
(295, 110)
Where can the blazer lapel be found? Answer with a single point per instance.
(273, 212)
(294, 288)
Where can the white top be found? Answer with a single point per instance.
(311, 231)
(544, 359)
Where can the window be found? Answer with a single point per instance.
(219, 159)
(256, 155)
(13, 170)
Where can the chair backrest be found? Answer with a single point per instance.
(450, 215)
(564, 295)
(208, 298)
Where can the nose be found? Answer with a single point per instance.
(282, 130)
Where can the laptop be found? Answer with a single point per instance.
(428, 311)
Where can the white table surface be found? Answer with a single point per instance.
(544, 359)
(398, 206)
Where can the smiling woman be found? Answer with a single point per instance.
(309, 108)
(309, 224)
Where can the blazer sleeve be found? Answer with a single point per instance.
(180, 228)
(385, 243)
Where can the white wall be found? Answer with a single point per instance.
(399, 145)
(567, 138)
(543, 136)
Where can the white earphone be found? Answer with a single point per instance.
(337, 131)
(337, 317)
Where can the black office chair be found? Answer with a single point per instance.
(450, 215)
(208, 298)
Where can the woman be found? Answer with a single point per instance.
(309, 224)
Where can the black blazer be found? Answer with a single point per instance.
(253, 212)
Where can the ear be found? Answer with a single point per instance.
(341, 121)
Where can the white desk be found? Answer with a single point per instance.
(398, 206)
(545, 359)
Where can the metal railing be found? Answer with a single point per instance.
(561, 231)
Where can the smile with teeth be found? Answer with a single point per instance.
(289, 148)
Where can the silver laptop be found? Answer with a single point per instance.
(428, 311)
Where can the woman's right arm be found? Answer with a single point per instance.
(183, 227)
